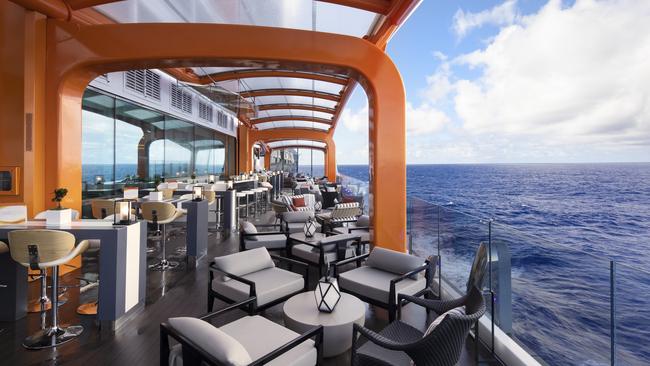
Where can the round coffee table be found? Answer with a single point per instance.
(301, 315)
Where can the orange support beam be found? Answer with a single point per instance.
(296, 92)
(75, 55)
(330, 161)
(291, 118)
(264, 73)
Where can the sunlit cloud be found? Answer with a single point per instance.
(503, 14)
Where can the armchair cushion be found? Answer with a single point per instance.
(299, 201)
(330, 243)
(312, 255)
(249, 228)
(375, 283)
(245, 262)
(363, 221)
(276, 241)
(260, 336)
(297, 227)
(270, 284)
(212, 340)
(297, 216)
(392, 261)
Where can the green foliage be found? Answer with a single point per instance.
(59, 194)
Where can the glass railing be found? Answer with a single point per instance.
(560, 305)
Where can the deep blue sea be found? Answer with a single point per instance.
(563, 224)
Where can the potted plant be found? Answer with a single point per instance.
(59, 215)
(193, 176)
(156, 195)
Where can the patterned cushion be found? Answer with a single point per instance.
(298, 201)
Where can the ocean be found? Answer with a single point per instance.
(563, 224)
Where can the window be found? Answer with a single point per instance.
(124, 143)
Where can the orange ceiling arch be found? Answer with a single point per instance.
(76, 55)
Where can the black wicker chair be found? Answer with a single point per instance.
(399, 343)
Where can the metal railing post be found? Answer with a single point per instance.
(612, 311)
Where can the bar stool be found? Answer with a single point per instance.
(250, 202)
(43, 249)
(259, 199)
(161, 213)
(102, 208)
(242, 196)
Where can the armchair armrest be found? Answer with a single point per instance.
(228, 308)
(250, 283)
(439, 306)
(262, 233)
(315, 332)
(337, 264)
(376, 338)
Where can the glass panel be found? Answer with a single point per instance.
(333, 18)
(311, 162)
(275, 99)
(137, 127)
(632, 315)
(210, 153)
(179, 138)
(296, 112)
(97, 152)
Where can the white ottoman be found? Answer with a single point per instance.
(301, 314)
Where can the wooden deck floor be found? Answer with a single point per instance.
(169, 294)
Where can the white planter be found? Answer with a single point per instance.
(155, 196)
(58, 217)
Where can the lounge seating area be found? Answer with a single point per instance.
(255, 281)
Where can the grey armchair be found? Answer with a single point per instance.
(251, 340)
(250, 237)
(360, 227)
(252, 273)
(294, 221)
(441, 345)
(326, 251)
(385, 275)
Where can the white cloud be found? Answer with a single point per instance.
(355, 120)
(424, 119)
(499, 15)
(565, 75)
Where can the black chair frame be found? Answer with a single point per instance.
(194, 355)
(252, 307)
(429, 269)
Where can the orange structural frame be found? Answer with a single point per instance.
(77, 54)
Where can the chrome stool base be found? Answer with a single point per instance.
(52, 337)
(164, 265)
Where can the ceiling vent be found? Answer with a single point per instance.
(181, 99)
(205, 111)
(143, 82)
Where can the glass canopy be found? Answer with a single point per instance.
(294, 143)
(358, 19)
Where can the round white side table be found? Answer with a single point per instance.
(301, 314)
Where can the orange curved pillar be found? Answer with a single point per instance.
(330, 161)
(245, 162)
(77, 54)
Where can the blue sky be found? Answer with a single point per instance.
(518, 81)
